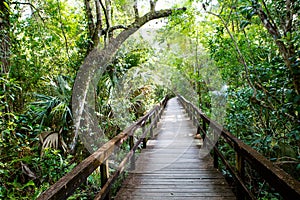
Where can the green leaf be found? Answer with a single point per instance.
(244, 24)
(30, 183)
(20, 135)
(6, 5)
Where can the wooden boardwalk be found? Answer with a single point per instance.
(170, 167)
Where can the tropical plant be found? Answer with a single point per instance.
(54, 112)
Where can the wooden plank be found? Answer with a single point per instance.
(208, 183)
(171, 180)
(171, 168)
(179, 171)
(134, 197)
(172, 185)
(174, 193)
(65, 186)
(181, 176)
(178, 191)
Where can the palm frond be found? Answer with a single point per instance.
(53, 109)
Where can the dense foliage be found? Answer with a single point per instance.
(239, 60)
(43, 44)
(254, 46)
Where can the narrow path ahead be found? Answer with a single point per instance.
(170, 167)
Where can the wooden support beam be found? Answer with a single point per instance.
(104, 171)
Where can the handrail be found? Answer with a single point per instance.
(287, 186)
(66, 186)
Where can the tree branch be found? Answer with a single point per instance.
(268, 24)
(32, 6)
(152, 5)
(109, 20)
(83, 89)
(113, 28)
(89, 16)
(154, 15)
(289, 20)
(269, 14)
(287, 52)
(239, 53)
(98, 28)
(136, 10)
(62, 29)
(105, 14)
(98, 13)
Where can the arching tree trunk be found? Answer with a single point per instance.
(94, 65)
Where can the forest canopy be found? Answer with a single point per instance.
(109, 61)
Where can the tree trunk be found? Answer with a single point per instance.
(109, 34)
(287, 51)
(91, 26)
(83, 101)
(5, 52)
(98, 28)
(5, 38)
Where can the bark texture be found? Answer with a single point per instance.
(83, 101)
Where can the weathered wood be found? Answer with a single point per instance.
(216, 158)
(204, 129)
(243, 191)
(151, 127)
(172, 167)
(144, 138)
(104, 169)
(66, 186)
(282, 182)
(139, 197)
(105, 188)
(131, 145)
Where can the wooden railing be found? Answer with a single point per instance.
(278, 179)
(66, 186)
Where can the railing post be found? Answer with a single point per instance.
(190, 111)
(155, 117)
(143, 132)
(193, 115)
(158, 113)
(104, 171)
(195, 118)
(161, 110)
(150, 124)
(131, 144)
(240, 166)
(216, 158)
(198, 129)
(204, 134)
(187, 109)
(216, 147)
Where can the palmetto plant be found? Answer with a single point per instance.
(53, 111)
